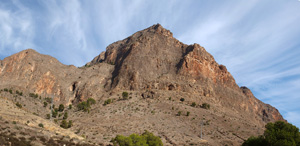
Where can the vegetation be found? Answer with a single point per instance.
(125, 95)
(146, 139)
(179, 113)
(18, 105)
(193, 104)
(10, 91)
(86, 105)
(187, 113)
(65, 124)
(48, 116)
(276, 134)
(45, 104)
(5, 89)
(205, 106)
(61, 107)
(108, 101)
(70, 106)
(65, 115)
(19, 93)
(41, 125)
(182, 99)
(48, 99)
(33, 95)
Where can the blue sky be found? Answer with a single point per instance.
(258, 41)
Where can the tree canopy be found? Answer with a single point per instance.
(276, 134)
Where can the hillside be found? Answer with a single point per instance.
(172, 87)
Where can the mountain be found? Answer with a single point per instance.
(173, 88)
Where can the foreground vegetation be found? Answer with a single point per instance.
(276, 134)
(146, 139)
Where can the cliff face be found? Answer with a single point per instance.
(152, 64)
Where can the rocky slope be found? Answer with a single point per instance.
(157, 70)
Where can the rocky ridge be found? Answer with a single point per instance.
(157, 70)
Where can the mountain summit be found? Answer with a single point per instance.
(173, 88)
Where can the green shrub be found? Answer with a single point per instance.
(179, 113)
(83, 106)
(205, 106)
(146, 139)
(19, 93)
(70, 124)
(45, 104)
(182, 99)
(10, 91)
(70, 106)
(18, 105)
(54, 114)
(14, 122)
(41, 125)
(276, 134)
(187, 113)
(5, 89)
(64, 124)
(125, 95)
(108, 101)
(61, 107)
(193, 104)
(91, 101)
(48, 116)
(65, 115)
(33, 95)
(48, 99)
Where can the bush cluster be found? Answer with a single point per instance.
(205, 106)
(33, 95)
(276, 134)
(108, 101)
(86, 105)
(19, 93)
(146, 139)
(65, 124)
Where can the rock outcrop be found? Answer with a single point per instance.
(155, 66)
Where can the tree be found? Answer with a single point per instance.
(61, 107)
(276, 134)
(45, 104)
(125, 95)
(65, 115)
(182, 99)
(64, 124)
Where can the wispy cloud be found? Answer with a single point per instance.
(257, 40)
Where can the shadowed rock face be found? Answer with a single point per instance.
(150, 63)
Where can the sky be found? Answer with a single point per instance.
(258, 41)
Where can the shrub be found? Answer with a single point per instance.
(108, 101)
(182, 99)
(70, 106)
(276, 134)
(125, 95)
(65, 115)
(19, 93)
(5, 89)
(48, 99)
(64, 124)
(61, 107)
(54, 114)
(10, 91)
(179, 113)
(187, 113)
(70, 124)
(14, 122)
(18, 105)
(33, 95)
(91, 101)
(45, 104)
(146, 139)
(83, 106)
(205, 106)
(48, 116)
(41, 125)
(193, 104)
